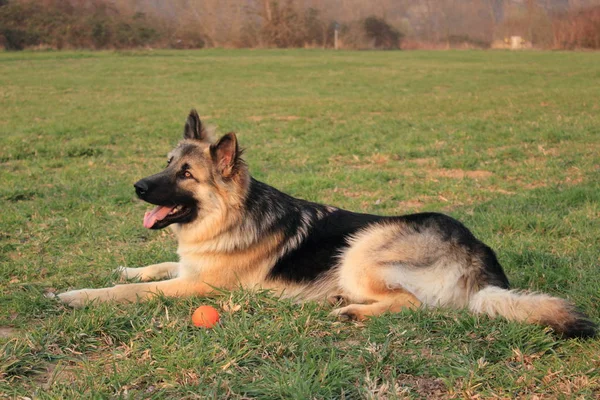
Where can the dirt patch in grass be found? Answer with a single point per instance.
(258, 118)
(574, 176)
(58, 373)
(379, 158)
(411, 204)
(427, 166)
(427, 388)
(356, 193)
(501, 191)
(449, 173)
(287, 118)
(6, 332)
(423, 161)
(458, 173)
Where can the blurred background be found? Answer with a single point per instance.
(346, 24)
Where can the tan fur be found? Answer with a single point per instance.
(390, 303)
(374, 256)
(246, 266)
(176, 287)
(151, 272)
(225, 199)
(534, 308)
(361, 278)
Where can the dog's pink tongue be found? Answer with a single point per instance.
(157, 214)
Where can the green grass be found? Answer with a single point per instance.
(508, 142)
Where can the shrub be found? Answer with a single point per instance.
(384, 35)
(94, 24)
(370, 33)
(579, 29)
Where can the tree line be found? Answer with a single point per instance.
(376, 24)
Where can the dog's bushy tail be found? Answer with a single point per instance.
(533, 308)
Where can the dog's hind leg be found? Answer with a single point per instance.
(364, 274)
(367, 291)
(391, 303)
(151, 272)
(396, 264)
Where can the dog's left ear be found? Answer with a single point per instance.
(225, 154)
(194, 128)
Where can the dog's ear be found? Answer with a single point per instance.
(194, 128)
(226, 154)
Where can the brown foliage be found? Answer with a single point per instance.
(61, 24)
(100, 24)
(376, 24)
(579, 29)
(285, 25)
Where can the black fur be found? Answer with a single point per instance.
(320, 240)
(580, 327)
(162, 190)
(318, 252)
(193, 127)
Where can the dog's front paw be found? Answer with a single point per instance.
(122, 272)
(75, 298)
(131, 274)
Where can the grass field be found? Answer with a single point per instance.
(509, 143)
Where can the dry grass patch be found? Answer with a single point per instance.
(258, 118)
(426, 388)
(456, 173)
(415, 205)
(7, 332)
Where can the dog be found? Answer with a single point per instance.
(234, 231)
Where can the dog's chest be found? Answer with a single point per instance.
(227, 270)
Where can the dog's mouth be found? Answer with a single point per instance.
(163, 216)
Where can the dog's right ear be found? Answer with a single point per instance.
(226, 155)
(194, 128)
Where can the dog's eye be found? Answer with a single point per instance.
(187, 174)
(169, 161)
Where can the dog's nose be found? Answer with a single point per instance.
(141, 188)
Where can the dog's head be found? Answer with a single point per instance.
(201, 179)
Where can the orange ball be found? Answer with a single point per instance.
(205, 317)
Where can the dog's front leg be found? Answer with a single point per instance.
(151, 272)
(177, 287)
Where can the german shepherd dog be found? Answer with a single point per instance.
(235, 231)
